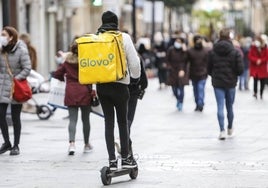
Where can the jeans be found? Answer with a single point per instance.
(199, 92)
(15, 114)
(114, 98)
(179, 93)
(243, 80)
(73, 116)
(228, 96)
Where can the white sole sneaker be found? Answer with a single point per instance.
(71, 150)
(230, 132)
(222, 135)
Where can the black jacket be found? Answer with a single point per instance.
(224, 64)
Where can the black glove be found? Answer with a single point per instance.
(141, 94)
(134, 81)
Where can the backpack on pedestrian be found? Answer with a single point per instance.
(101, 58)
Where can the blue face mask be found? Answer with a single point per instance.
(177, 45)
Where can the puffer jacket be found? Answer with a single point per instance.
(20, 65)
(76, 94)
(224, 64)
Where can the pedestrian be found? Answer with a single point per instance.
(178, 75)
(31, 49)
(136, 91)
(114, 96)
(258, 57)
(198, 60)
(19, 62)
(243, 79)
(224, 66)
(77, 96)
(160, 57)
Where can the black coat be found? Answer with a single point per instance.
(224, 64)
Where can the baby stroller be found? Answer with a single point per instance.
(38, 85)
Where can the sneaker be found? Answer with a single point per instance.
(222, 135)
(88, 148)
(230, 132)
(15, 150)
(113, 164)
(71, 150)
(5, 147)
(179, 106)
(129, 162)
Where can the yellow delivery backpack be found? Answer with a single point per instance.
(101, 58)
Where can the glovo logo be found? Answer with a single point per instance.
(86, 62)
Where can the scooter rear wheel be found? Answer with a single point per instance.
(133, 173)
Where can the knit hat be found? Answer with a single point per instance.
(109, 17)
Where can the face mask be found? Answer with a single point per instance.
(4, 41)
(177, 45)
(198, 45)
(257, 43)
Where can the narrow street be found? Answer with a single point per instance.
(174, 149)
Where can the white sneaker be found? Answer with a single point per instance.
(71, 150)
(88, 148)
(222, 135)
(230, 132)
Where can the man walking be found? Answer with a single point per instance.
(224, 66)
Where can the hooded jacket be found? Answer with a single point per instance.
(76, 94)
(20, 64)
(224, 64)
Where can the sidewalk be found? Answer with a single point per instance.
(175, 149)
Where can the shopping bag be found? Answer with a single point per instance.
(22, 91)
(57, 93)
(97, 110)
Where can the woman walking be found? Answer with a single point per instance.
(178, 66)
(15, 55)
(77, 97)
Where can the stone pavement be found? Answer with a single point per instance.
(175, 149)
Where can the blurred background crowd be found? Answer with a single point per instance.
(53, 24)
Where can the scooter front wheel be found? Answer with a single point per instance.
(106, 180)
(43, 112)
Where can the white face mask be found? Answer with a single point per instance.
(257, 43)
(3, 41)
(177, 45)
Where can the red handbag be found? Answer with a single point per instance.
(21, 90)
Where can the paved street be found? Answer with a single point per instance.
(175, 149)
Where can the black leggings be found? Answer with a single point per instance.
(15, 114)
(115, 96)
(255, 85)
(132, 104)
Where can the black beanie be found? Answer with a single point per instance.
(109, 17)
